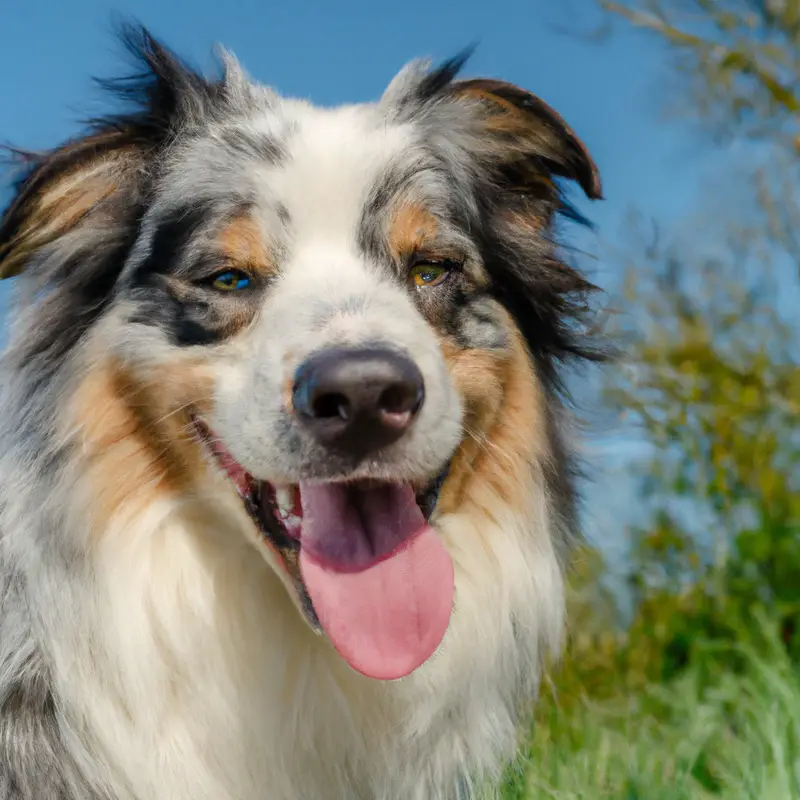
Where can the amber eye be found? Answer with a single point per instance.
(430, 273)
(231, 280)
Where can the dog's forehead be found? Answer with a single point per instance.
(316, 166)
(335, 160)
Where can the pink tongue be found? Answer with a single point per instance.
(380, 579)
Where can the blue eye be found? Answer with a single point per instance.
(230, 281)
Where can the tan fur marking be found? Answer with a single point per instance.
(61, 206)
(532, 223)
(287, 387)
(505, 117)
(505, 431)
(516, 134)
(412, 228)
(242, 244)
(135, 436)
(483, 93)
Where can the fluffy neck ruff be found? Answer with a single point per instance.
(183, 669)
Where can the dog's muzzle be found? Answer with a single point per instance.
(368, 569)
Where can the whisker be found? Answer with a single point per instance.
(487, 445)
(179, 409)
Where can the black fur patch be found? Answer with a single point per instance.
(438, 80)
(261, 148)
(170, 241)
(171, 287)
(547, 298)
(76, 293)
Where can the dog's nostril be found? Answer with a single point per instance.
(331, 406)
(400, 398)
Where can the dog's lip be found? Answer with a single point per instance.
(278, 530)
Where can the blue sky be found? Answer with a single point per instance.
(348, 50)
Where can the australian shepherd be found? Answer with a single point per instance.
(285, 484)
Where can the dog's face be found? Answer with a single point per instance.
(320, 307)
(316, 282)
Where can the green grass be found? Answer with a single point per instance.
(714, 733)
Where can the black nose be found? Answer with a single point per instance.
(358, 400)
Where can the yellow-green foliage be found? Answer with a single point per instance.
(734, 738)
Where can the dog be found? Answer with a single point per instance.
(286, 481)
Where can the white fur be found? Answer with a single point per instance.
(198, 678)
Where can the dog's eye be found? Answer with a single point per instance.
(231, 280)
(431, 273)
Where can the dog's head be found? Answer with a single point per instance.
(328, 306)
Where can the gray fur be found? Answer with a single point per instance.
(34, 764)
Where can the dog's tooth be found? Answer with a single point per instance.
(284, 499)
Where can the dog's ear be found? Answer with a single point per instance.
(104, 174)
(506, 148)
(60, 191)
(524, 139)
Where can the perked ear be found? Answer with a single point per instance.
(60, 191)
(79, 181)
(525, 137)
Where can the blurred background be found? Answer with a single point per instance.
(681, 679)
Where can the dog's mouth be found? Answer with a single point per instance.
(367, 568)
